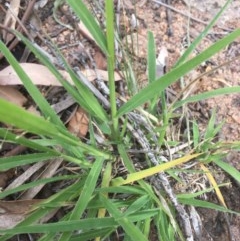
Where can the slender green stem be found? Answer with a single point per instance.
(165, 119)
(109, 12)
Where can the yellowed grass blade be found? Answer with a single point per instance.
(151, 171)
(214, 184)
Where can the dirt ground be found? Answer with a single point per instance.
(172, 28)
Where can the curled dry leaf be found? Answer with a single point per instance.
(8, 76)
(78, 124)
(13, 212)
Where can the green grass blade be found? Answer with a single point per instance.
(109, 15)
(24, 187)
(89, 235)
(151, 58)
(138, 204)
(83, 96)
(165, 230)
(212, 128)
(85, 196)
(209, 133)
(123, 189)
(196, 134)
(205, 204)
(199, 193)
(8, 136)
(15, 161)
(88, 189)
(229, 169)
(83, 236)
(125, 157)
(162, 83)
(86, 98)
(90, 23)
(31, 88)
(145, 186)
(67, 194)
(146, 226)
(143, 215)
(95, 203)
(129, 75)
(207, 95)
(132, 231)
(64, 226)
(191, 48)
(10, 113)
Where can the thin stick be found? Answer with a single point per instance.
(169, 19)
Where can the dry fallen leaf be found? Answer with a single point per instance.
(9, 77)
(100, 60)
(13, 95)
(78, 124)
(13, 212)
